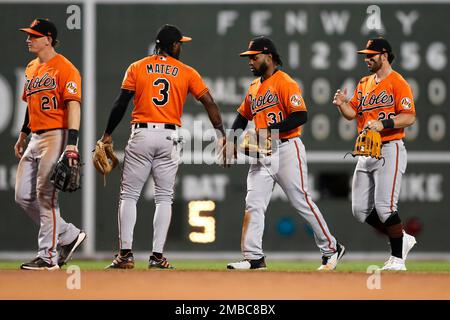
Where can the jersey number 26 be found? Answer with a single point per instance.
(382, 115)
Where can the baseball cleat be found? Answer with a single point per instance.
(247, 264)
(155, 263)
(122, 262)
(408, 243)
(329, 263)
(394, 264)
(67, 251)
(38, 264)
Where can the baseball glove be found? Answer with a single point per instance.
(256, 144)
(104, 158)
(368, 144)
(65, 177)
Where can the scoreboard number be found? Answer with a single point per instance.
(207, 224)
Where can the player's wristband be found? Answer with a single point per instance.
(26, 130)
(73, 137)
(388, 123)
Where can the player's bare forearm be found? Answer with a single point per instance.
(213, 112)
(19, 147)
(346, 111)
(404, 120)
(401, 120)
(74, 108)
(340, 101)
(22, 136)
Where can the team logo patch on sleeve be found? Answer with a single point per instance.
(72, 87)
(406, 103)
(296, 100)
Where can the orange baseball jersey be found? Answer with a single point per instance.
(161, 85)
(272, 101)
(372, 101)
(47, 88)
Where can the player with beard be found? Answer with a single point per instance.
(383, 102)
(275, 104)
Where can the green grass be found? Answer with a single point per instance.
(286, 266)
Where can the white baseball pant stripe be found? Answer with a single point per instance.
(394, 207)
(287, 167)
(312, 207)
(376, 183)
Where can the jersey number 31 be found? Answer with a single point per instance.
(275, 118)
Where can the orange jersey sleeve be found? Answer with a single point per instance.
(48, 86)
(404, 100)
(129, 80)
(70, 80)
(161, 85)
(291, 97)
(197, 86)
(272, 101)
(383, 100)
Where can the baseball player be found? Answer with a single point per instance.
(160, 84)
(382, 102)
(274, 102)
(53, 93)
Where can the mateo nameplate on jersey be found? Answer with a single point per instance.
(162, 69)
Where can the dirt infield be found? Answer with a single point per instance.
(226, 285)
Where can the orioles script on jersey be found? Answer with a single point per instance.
(265, 101)
(273, 100)
(371, 101)
(38, 84)
(162, 69)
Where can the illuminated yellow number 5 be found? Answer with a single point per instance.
(207, 223)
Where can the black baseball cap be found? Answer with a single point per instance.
(169, 34)
(258, 45)
(375, 46)
(42, 28)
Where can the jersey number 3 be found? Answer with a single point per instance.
(164, 87)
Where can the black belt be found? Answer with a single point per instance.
(284, 140)
(46, 130)
(386, 142)
(145, 125)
